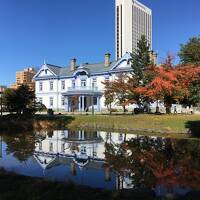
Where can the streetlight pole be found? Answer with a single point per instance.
(1, 103)
(92, 104)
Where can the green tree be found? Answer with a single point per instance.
(21, 100)
(190, 52)
(21, 146)
(194, 96)
(143, 70)
(141, 60)
(9, 97)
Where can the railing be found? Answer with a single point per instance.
(82, 88)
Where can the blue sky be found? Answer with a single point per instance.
(58, 30)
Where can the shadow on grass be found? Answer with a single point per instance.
(193, 128)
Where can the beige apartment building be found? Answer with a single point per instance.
(2, 88)
(25, 77)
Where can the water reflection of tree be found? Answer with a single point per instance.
(21, 145)
(152, 162)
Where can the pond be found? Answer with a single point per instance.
(106, 160)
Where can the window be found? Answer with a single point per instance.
(95, 100)
(40, 146)
(63, 85)
(106, 78)
(63, 101)
(51, 146)
(46, 71)
(94, 152)
(94, 82)
(83, 83)
(83, 150)
(63, 148)
(73, 84)
(51, 101)
(51, 85)
(40, 100)
(120, 137)
(40, 86)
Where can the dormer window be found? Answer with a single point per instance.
(82, 73)
(83, 83)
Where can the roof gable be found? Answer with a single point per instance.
(123, 63)
(48, 70)
(53, 71)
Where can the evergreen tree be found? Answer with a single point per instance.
(21, 100)
(190, 52)
(141, 60)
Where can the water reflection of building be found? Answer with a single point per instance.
(1, 146)
(78, 150)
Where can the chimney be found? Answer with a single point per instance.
(107, 60)
(154, 57)
(73, 64)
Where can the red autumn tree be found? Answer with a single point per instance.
(109, 95)
(120, 91)
(170, 84)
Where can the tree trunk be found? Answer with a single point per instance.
(110, 109)
(157, 108)
(124, 109)
(168, 107)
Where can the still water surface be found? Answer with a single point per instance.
(105, 159)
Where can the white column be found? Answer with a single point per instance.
(66, 104)
(83, 97)
(98, 104)
(69, 105)
(79, 103)
(83, 135)
(79, 135)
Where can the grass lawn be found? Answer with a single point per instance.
(158, 125)
(163, 125)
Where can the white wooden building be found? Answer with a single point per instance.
(56, 86)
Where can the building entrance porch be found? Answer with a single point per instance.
(82, 103)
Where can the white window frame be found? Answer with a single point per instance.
(83, 83)
(51, 85)
(40, 86)
(63, 85)
(73, 83)
(51, 101)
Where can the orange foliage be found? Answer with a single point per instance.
(171, 82)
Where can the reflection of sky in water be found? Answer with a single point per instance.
(79, 158)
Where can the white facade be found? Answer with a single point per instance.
(79, 143)
(132, 20)
(79, 89)
(79, 149)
